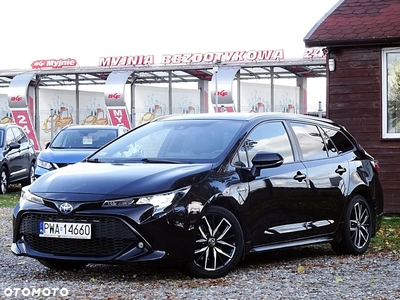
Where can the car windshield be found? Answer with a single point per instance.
(172, 141)
(92, 138)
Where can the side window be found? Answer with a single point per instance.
(10, 136)
(329, 145)
(20, 136)
(341, 142)
(311, 141)
(269, 137)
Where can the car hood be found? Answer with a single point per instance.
(99, 181)
(68, 156)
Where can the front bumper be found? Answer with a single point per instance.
(128, 235)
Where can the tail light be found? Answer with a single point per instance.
(376, 166)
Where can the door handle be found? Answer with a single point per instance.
(299, 176)
(340, 170)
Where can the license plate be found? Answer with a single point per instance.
(65, 230)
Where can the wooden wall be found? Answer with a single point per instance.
(354, 99)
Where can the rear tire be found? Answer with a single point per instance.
(3, 180)
(219, 244)
(357, 228)
(58, 264)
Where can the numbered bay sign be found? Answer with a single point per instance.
(21, 117)
(18, 102)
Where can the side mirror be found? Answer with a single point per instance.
(13, 145)
(263, 160)
(47, 145)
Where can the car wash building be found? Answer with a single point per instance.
(131, 90)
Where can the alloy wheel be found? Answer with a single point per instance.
(3, 181)
(360, 225)
(215, 244)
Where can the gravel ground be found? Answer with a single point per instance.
(299, 273)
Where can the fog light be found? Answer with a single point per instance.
(140, 245)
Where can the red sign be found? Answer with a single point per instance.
(314, 53)
(224, 109)
(222, 93)
(190, 58)
(119, 116)
(54, 63)
(16, 98)
(114, 96)
(21, 117)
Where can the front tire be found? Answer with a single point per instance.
(31, 176)
(357, 230)
(3, 180)
(58, 264)
(219, 244)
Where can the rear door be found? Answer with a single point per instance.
(327, 175)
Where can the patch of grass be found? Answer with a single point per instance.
(12, 197)
(388, 237)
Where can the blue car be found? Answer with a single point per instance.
(73, 143)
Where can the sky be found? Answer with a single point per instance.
(86, 30)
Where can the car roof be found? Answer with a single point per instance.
(244, 117)
(73, 126)
(8, 125)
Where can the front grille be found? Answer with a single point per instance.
(109, 236)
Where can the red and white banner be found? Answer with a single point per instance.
(21, 117)
(54, 63)
(119, 116)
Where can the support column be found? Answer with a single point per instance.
(302, 84)
(202, 85)
(272, 89)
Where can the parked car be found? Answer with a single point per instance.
(204, 191)
(17, 156)
(73, 143)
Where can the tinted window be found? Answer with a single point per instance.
(341, 142)
(20, 136)
(330, 146)
(311, 141)
(269, 137)
(10, 136)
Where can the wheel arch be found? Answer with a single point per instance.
(232, 205)
(6, 166)
(364, 192)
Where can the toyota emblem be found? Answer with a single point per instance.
(66, 208)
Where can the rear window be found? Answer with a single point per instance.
(341, 142)
(83, 138)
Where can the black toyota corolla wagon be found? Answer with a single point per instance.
(204, 191)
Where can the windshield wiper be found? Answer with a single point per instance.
(92, 160)
(160, 160)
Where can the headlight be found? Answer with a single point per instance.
(159, 201)
(44, 164)
(26, 195)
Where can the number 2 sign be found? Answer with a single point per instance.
(21, 117)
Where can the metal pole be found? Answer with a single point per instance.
(320, 109)
(52, 124)
(216, 88)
